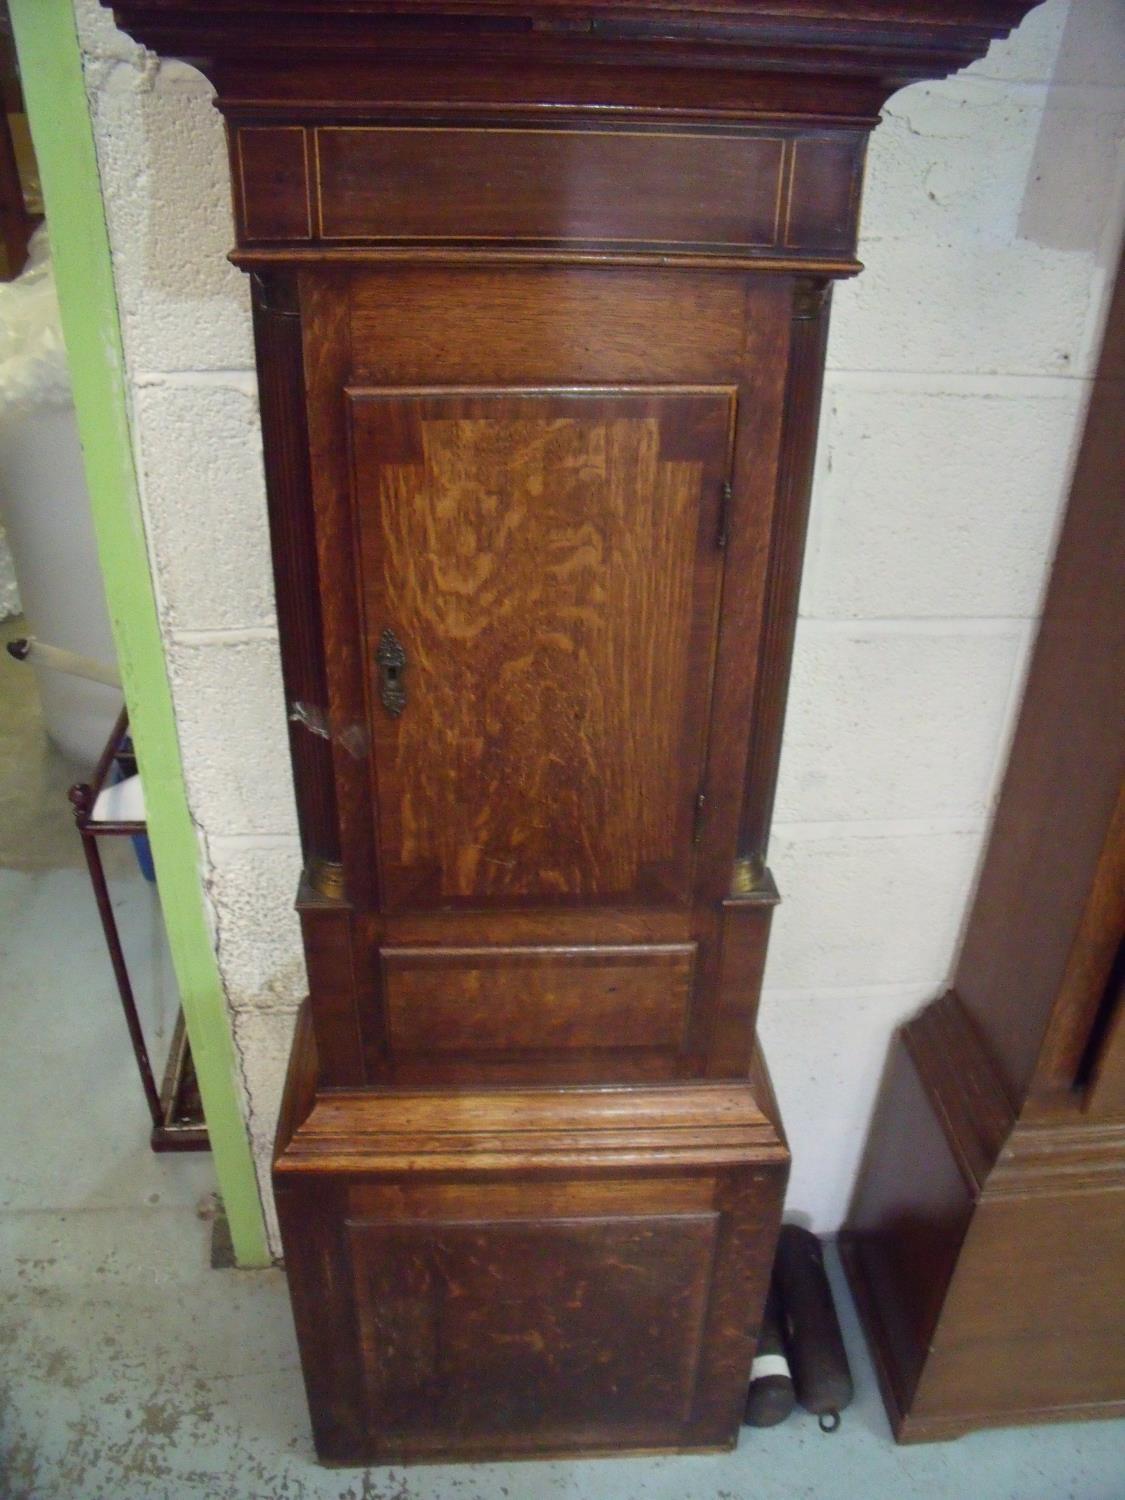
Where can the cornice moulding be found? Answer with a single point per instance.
(891, 41)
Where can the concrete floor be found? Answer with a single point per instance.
(133, 1371)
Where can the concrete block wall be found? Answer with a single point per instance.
(959, 368)
(958, 376)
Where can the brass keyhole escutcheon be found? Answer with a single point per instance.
(391, 659)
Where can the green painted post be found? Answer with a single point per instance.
(51, 71)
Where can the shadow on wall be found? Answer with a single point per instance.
(1066, 208)
(1091, 54)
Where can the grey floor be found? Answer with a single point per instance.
(131, 1370)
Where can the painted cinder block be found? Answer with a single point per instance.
(826, 1055)
(100, 40)
(252, 887)
(984, 309)
(205, 503)
(870, 906)
(964, 162)
(1030, 54)
(262, 1039)
(990, 210)
(163, 163)
(932, 502)
(894, 724)
(230, 712)
(1089, 53)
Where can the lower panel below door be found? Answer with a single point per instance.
(534, 1331)
(471, 1000)
(526, 1273)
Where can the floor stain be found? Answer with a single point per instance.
(159, 1419)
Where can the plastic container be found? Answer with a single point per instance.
(46, 508)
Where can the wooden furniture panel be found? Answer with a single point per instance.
(614, 1361)
(331, 954)
(575, 926)
(1002, 1302)
(523, 1273)
(1004, 1354)
(754, 352)
(398, 182)
(593, 326)
(822, 203)
(271, 182)
(678, 1000)
(495, 182)
(1059, 817)
(469, 1000)
(541, 299)
(549, 562)
(575, 325)
(990, 1288)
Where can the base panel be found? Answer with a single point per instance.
(526, 1273)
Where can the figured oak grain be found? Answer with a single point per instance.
(597, 1328)
(476, 325)
(549, 562)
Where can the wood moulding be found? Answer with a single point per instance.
(893, 41)
(902, 1258)
(533, 1129)
(740, 126)
(1010, 1155)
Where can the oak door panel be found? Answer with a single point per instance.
(548, 561)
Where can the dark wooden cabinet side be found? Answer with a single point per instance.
(281, 394)
(812, 304)
(986, 1240)
(542, 300)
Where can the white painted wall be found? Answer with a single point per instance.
(959, 366)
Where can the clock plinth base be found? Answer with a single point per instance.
(526, 1272)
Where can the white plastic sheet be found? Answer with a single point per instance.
(46, 510)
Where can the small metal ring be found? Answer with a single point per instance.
(829, 1421)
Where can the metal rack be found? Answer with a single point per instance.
(175, 1108)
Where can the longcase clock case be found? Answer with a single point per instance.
(540, 297)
